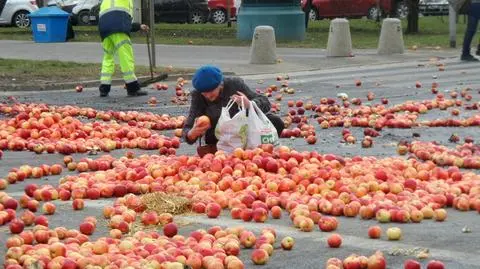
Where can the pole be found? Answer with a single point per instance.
(452, 26)
(151, 8)
(229, 23)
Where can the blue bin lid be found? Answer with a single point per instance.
(49, 12)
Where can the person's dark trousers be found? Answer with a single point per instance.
(469, 33)
(277, 122)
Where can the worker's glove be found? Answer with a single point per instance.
(144, 28)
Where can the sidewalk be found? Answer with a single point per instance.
(230, 59)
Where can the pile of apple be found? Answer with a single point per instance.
(212, 248)
(41, 128)
(463, 156)
(331, 112)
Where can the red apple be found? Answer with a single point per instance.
(334, 241)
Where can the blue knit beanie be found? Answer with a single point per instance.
(207, 78)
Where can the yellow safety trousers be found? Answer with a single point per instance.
(117, 44)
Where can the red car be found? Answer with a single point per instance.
(329, 9)
(218, 10)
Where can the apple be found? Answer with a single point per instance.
(78, 204)
(79, 88)
(433, 264)
(16, 226)
(327, 224)
(170, 229)
(87, 228)
(260, 214)
(377, 261)
(213, 210)
(259, 256)
(375, 232)
(247, 239)
(412, 264)
(287, 243)
(440, 214)
(394, 233)
(48, 208)
(334, 241)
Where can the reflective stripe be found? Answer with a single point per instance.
(106, 74)
(129, 80)
(107, 51)
(129, 73)
(106, 82)
(127, 41)
(115, 9)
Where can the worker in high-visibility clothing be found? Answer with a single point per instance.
(115, 24)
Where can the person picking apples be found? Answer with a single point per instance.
(115, 25)
(212, 91)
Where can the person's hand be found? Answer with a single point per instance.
(239, 98)
(144, 28)
(199, 128)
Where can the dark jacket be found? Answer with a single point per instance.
(201, 106)
(116, 22)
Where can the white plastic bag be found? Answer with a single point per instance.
(231, 132)
(260, 128)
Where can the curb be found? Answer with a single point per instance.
(92, 83)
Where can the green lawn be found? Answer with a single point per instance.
(433, 32)
(31, 73)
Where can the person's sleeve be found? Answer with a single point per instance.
(135, 27)
(261, 100)
(197, 108)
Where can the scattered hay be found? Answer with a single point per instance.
(161, 202)
(417, 251)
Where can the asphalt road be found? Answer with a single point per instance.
(396, 82)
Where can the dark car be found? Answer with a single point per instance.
(190, 11)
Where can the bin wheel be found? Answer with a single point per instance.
(21, 19)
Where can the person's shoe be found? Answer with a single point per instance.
(469, 58)
(133, 89)
(104, 90)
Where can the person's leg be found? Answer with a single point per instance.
(108, 67)
(124, 50)
(277, 122)
(467, 40)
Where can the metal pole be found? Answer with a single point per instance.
(452, 26)
(151, 7)
(229, 23)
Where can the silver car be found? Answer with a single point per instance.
(15, 12)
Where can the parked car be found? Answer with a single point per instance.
(183, 11)
(218, 10)
(81, 12)
(65, 5)
(15, 12)
(433, 7)
(329, 9)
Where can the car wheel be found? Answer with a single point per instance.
(197, 17)
(83, 17)
(312, 15)
(21, 19)
(374, 12)
(402, 10)
(219, 16)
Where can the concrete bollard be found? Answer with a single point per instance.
(339, 39)
(263, 48)
(391, 37)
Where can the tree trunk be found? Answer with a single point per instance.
(412, 18)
